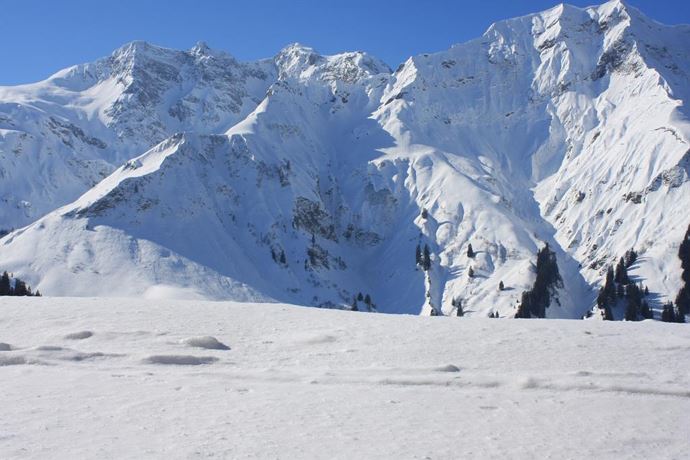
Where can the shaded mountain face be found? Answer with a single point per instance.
(309, 179)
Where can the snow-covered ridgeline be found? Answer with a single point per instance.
(304, 178)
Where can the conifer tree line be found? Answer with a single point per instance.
(619, 286)
(16, 288)
(683, 297)
(535, 301)
(670, 314)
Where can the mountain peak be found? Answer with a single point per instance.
(200, 48)
(295, 59)
(297, 48)
(613, 9)
(135, 46)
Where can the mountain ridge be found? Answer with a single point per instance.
(333, 169)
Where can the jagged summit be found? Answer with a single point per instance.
(303, 62)
(201, 48)
(310, 179)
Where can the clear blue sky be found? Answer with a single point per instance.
(39, 37)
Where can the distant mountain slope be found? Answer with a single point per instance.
(309, 179)
(59, 137)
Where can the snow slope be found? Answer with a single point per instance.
(116, 378)
(565, 127)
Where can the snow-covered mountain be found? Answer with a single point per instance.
(308, 178)
(60, 137)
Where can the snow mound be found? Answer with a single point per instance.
(81, 335)
(180, 360)
(448, 368)
(5, 346)
(207, 342)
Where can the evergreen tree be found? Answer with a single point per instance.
(622, 272)
(367, 302)
(5, 285)
(360, 297)
(425, 213)
(610, 288)
(354, 306)
(501, 286)
(470, 252)
(535, 301)
(684, 255)
(418, 255)
(426, 261)
(645, 311)
(668, 315)
(20, 288)
(683, 297)
(620, 291)
(634, 302)
(457, 304)
(470, 272)
(630, 258)
(604, 304)
(683, 300)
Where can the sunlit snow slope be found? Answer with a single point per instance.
(318, 176)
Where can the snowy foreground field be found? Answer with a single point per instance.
(111, 378)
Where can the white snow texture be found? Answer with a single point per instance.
(310, 383)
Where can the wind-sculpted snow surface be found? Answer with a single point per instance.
(308, 383)
(310, 179)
